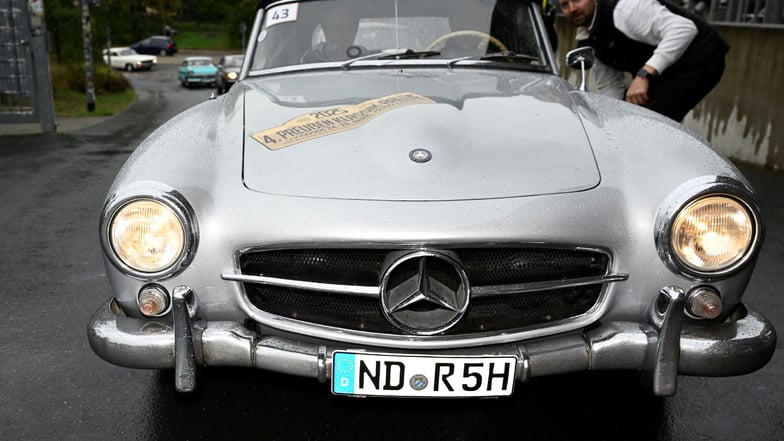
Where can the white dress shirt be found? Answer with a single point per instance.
(646, 21)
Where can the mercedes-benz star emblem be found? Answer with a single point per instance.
(424, 292)
(420, 155)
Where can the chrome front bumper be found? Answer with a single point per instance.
(664, 346)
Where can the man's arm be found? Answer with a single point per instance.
(650, 22)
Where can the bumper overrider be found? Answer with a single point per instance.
(664, 345)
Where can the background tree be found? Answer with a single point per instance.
(243, 11)
(127, 21)
(205, 11)
(124, 21)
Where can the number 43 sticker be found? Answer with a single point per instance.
(282, 14)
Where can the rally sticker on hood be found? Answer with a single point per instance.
(329, 121)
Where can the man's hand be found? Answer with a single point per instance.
(638, 91)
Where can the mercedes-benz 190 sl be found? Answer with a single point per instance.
(405, 198)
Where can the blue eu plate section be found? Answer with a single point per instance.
(403, 375)
(343, 373)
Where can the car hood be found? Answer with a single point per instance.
(414, 136)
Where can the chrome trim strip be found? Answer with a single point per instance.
(365, 291)
(353, 337)
(393, 63)
(476, 291)
(252, 42)
(491, 290)
(544, 41)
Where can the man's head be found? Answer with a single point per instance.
(578, 12)
(340, 28)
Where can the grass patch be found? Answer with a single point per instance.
(203, 36)
(113, 93)
(69, 103)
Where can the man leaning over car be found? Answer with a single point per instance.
(675, 57)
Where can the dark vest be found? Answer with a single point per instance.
(616, 50)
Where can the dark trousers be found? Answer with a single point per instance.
(675, 93)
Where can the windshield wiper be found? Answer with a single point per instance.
(398, 54)
(495, 56)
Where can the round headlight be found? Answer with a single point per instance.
(713, 233)
(147, 236)
(231, 75)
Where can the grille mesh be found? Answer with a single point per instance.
(483, 266)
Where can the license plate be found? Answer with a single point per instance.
(360, 373)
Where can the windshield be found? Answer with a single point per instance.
(322, 31)
(233, 61)
(200, 62)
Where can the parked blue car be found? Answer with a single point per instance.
(197, 70)
(156, 45)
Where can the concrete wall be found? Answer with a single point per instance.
(743, 115)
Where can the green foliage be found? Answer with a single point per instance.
(201, 24)
(243, 12)
(110, 81)
(71, 77)
(203, 36)
(205, 11)
(71, 104)
(112, 90)
(114, 22)
(124, 22)
(65, 30)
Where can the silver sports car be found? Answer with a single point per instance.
(404, 198)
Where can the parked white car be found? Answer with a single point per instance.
(128, 59)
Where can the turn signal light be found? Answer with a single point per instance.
(704, 303)
(153, 301)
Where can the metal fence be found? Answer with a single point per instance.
(25, 83)
(766, 12)
(16, 74)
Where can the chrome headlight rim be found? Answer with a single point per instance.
(177, 204)
(695, 190)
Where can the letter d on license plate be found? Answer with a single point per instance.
(421, 376)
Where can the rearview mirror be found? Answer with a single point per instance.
(581, 58)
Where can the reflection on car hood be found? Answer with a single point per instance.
(457, 135)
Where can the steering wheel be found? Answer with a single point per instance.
(467, 33)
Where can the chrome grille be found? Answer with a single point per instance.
(512, 288)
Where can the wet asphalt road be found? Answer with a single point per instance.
(52, 386)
